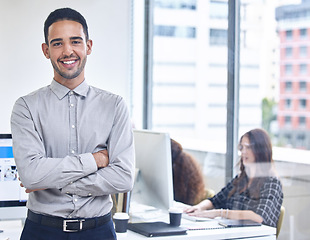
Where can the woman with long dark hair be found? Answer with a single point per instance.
(255, 193)
(188, 181)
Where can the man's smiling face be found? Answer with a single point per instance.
(67, 49)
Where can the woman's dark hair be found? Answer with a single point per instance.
(64, 14)
(188, 181)
(262, 149)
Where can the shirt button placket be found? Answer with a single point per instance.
(72, 123)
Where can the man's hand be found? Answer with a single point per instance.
(101, 158)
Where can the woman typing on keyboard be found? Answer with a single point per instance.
(255, 193)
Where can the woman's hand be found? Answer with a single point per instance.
(206, 213)
(192, 209)
(204, 205)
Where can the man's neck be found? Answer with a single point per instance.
(70, 83)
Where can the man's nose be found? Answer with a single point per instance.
(67, 50)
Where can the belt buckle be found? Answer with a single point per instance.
(75, 220)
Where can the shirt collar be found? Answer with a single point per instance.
(61, 91)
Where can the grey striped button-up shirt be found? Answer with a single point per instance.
(55, 131)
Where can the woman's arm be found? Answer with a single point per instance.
(226, 213)
(242, 215)
(203, 205)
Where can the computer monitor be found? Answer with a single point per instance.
(12, 197)
(154, 183)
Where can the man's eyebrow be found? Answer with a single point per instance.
(76, 38)
(55, 40)
(60, 39)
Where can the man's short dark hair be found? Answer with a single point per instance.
(64, 14)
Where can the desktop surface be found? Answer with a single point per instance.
(212, 232)
(196, 229)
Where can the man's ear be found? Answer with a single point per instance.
(45, 50)
(89, 45)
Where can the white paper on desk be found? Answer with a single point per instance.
(194, 218)
(203, 225)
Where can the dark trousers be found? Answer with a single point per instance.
(35, 231)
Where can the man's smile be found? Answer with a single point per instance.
(69, 63)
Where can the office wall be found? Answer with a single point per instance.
(23, 68)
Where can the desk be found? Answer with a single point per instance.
(253, 233)
(259, 233)
(12, 231)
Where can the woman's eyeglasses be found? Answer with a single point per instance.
(245, 147)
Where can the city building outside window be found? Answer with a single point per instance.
(288, 69)
(303, 86)
(288, 103)
(303, 33)
(302, 121)
(289, 35)
(288, 52)
(288, 86)
(302, 103)
(303, 51)
(303, 69)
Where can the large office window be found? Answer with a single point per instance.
(188, 76)
(187, 92)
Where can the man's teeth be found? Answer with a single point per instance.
(68, 62)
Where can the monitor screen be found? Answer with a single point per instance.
(154, 183)
(12, 196)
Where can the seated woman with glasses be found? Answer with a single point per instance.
(255, 193)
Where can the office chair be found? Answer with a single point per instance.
(209, 193)
(279, 224)
(120, 202)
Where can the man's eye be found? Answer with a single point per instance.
(56, 44)
(76, 42)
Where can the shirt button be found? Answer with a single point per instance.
(72, 151)
(71, 93)
(89, 194)
(68, 192)
(73, 126)
(71, 105)
(75, 200)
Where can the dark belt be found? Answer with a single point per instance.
(69, 225)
